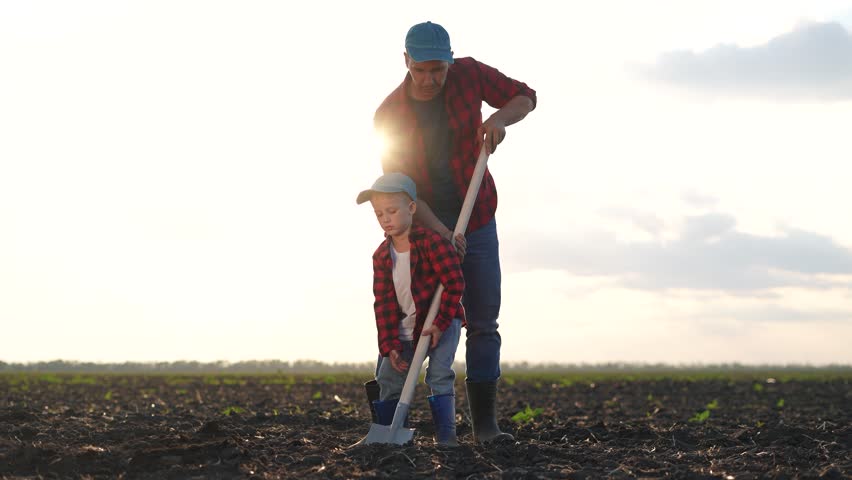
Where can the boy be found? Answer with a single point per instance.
(407, 268)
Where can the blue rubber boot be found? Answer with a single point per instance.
(444, 415)
(385, 411)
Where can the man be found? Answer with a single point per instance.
(434, 130)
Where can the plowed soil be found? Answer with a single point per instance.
(292, 427)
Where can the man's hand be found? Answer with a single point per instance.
(493, 130)
(460, 244)
(397, 362)
(436, 335)
(491, 133)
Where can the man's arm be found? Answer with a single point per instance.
(514, 111)
(512, 98)
(493, 130)
(424, 216)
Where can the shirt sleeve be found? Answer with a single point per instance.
(386, 308)
(445, 263)
(498, 89)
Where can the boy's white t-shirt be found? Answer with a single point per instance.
(402, 284)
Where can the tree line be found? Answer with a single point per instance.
(315, 366)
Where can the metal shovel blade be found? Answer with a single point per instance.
(394, 433)
(385, 434)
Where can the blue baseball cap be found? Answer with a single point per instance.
(428, 41)
(390, 183)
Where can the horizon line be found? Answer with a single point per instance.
(268, 365)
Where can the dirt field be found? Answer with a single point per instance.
(283, 426)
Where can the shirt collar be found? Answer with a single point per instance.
(417, 233)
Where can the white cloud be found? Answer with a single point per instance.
(646, 222)
(707, 253)
(775, 313)
(603, 321)
(811, 62)
(698, 199)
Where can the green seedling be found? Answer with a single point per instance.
(780, 403)
(83, 380)
(177, 380)
(50, 378)
(288, 380)
(317, 395)
(713, 405)
(760, 424)
(758, 387)
(232, 410)
(655, 402)
(526, 415)
(700, 417)
(108, 395)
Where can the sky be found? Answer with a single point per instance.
(178, 178)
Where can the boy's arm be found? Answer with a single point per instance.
(386, 309)
(445, 262)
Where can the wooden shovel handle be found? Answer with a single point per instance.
(423, 342)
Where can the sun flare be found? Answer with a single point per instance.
(378, 144)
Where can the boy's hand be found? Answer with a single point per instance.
(397, 362)
(436, 335)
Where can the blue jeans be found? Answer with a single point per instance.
(481, 302)
(440, 375)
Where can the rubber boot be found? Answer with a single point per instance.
(372, 389)
(444, 415)
(382, 412)
(482, 397)
(385, 411)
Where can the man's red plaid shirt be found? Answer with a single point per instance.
(433, 261)
(469, 82)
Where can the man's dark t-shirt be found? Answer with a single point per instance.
(433, 122)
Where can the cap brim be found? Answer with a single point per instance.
(364, 196)
(427, 55)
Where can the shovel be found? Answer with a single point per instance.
(395, 433)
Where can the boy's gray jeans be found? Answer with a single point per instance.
(440, 375)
